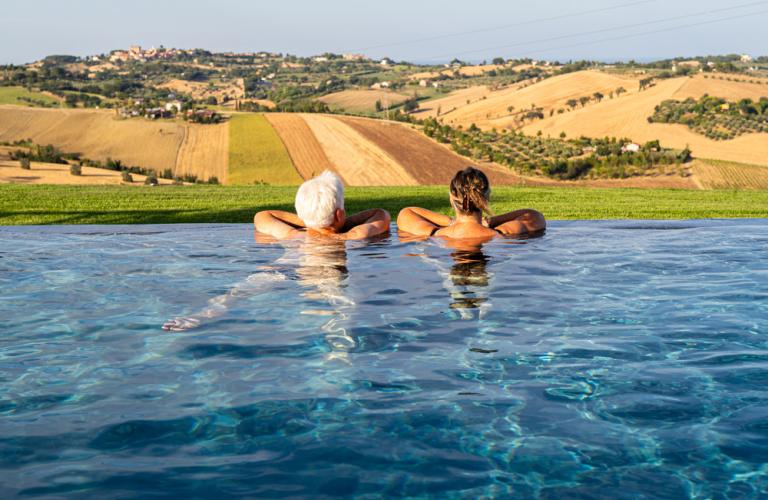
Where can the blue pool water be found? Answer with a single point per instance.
(602, 360)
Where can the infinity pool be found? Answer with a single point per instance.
(602, 360)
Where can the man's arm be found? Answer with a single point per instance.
(278, 224)
(420, 221)
(518, 222)
(366, 224)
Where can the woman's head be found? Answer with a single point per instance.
(470, 192)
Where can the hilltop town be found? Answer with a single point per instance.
(532, 121)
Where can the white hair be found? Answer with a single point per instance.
(318, 199)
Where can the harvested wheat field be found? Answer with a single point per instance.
(476, 70)
(493, 110)
(204, 152)
(99, 135)
(451, 102)
(716, 174)
(96, 135)
(713, 85)
(628, 117)
(357, 160)
(424, 159)
(362, 101)
(54, 173)
(305, 151)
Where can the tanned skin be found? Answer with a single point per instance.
(422, 222)
(286, 225)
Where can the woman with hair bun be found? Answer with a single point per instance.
(469, 194)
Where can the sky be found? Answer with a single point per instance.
(413, 30)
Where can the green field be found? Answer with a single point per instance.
(256, 153)
(25, 204)
(10, 95)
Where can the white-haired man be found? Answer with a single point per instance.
(320, 212)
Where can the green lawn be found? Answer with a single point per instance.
(26, 204)
(256, 153)
(10, 95)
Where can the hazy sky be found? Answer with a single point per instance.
(415, 30)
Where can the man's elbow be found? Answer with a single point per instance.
(261, 220)
(381, 215)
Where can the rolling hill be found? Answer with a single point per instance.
(488, 109)
(628, 117)
(281, 148)
(100, 134)
(362, 101)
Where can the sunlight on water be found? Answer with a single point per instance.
(604, 359)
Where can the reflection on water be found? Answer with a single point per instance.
(321, 267)
(470, 279)
(612, 360)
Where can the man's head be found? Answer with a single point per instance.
(320, 202)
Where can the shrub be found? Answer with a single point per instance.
(151, 180)
(126, 176)
(25, 163)
(76, 170)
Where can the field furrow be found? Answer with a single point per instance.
(305, 151)
(358, 160)
(427, 161)
(205, 152)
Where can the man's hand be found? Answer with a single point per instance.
(366, 224)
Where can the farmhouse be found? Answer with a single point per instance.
(173, 105)
(155, 113)
(630, 147)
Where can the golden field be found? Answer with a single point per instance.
(357, 160)
(100, 134)
(362, 101)
(281, 148)
(488, 109)
(627, 116)
(55, 173)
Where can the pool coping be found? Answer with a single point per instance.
(615, 224)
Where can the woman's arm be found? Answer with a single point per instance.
(420, 221)
(366, 224)
(278, 224)
(518, 222)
